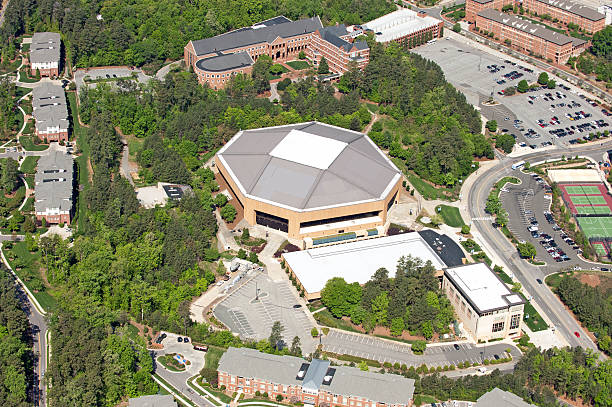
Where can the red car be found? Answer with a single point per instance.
(577, 334)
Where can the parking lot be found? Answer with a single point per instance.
(252, 316)
(108, 73)
(529, 220)
(538, 118)
(387, 351)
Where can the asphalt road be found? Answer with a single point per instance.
(494, 241)
(179, 382)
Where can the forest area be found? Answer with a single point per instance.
(411, 300)
(15, 346)
(147, 32)
(598, 61)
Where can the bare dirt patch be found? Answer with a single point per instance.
(598, 280)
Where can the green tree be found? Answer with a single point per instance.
(543, 78)
(276, 334)
(492, 126)
(522, 86)
(323, 67)
(10, 172)
(510, 91)
(220, 200)
(418, 347)
(493, 204)
(457, 27)
(228, 213)
(259, 73)
(502, 217)
(302, 55)
(397, 326)
(314, 332)
(380, 306)
(295, 349)
(340, 297)
(527, 250)
(602, 43)
(505, 142)
(363, 366)
(551, 84)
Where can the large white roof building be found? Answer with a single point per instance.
(399, 24)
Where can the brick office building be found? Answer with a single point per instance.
(314, 383)
(45, 54)
(567, 11)
(215, 60)
(402, 25)
(528, 37)
(473, 7)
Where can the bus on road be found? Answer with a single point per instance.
(518, 165)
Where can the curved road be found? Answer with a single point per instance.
(495, 242)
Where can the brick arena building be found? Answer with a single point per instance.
(216, 60)
(403, 25)
(529, 37)
(309, 179)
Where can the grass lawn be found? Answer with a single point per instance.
(451, 215)
(372, 107)
(29, 164)
(29, 206)
(18, 119)
(20, 91)
(11, 67)
(212, 356)
(25, 78)
(427, 190)
(170, 363)
(326, 318)
(299, 65)
(504, 277)
(534, 321)
(222, 396)
(200, 392)
(272, 76)
(80, 136)
(28, 143)
(134, 145)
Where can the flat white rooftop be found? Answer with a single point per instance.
(398, 24)
(308, 149)
(481, 287)
(357, 261)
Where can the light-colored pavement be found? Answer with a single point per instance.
(273, 92)
(108, 72)
(163, 71)
(368, 347)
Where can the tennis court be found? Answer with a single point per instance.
(600, 249)
(593, 210)
(596, 226)
(588, 199)
(583, 190)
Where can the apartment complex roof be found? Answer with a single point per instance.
(266, 31)
(499, 398)
(575, 8)
(49, 107)
(225, 62)
(398, 24)
(529, 28)
(317, 375)
(308, 166)
(54, 183)
(45, 47)
(358, 261)
(481, 287)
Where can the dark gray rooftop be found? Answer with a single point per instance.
(252, 35)
(225, 62)
(575, 8)
(383, 388)
(45, 47)
(500, 398)
(529, 28)
(308, 166)
(54, 182)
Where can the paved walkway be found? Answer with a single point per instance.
(163, 71)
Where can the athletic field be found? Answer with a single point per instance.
(593, 210)
(582, 190)
(596, 226)
(588, 199)
(600, 249)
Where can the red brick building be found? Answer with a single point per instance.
(50, 112)
(215, 60)
(314, 383)
(567, 11)
(403, 25)
(54, 188)
(528, 37)
(473, 7)
(45, 54)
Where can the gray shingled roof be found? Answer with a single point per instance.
(45, 47)
(250, 363)
(359, 171)
(54, 182)
(500, 398)
(49, 107)
(573, 7)
(225, 62)
(529, 28)
(249, 35)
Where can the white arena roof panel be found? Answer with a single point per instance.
(357, 261)
(308, 149)
(308, 166)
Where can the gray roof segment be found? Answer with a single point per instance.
(528, 27)
(497, 398)
(45, 47)
(250, 363)
(53, 182)
(48, 93)
(315, 374)
(225, 62)
(248, 36)
(575, 8)
(51, 116)
(360, 172)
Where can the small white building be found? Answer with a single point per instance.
(483, 302)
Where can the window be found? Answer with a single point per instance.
(498, 326)
(515, 320)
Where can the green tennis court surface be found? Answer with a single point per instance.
(588, 200)
(600, 249)
(593, 210)
(596, 227)
(582, 190)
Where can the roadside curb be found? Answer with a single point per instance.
(171, 391)
(31, 297)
